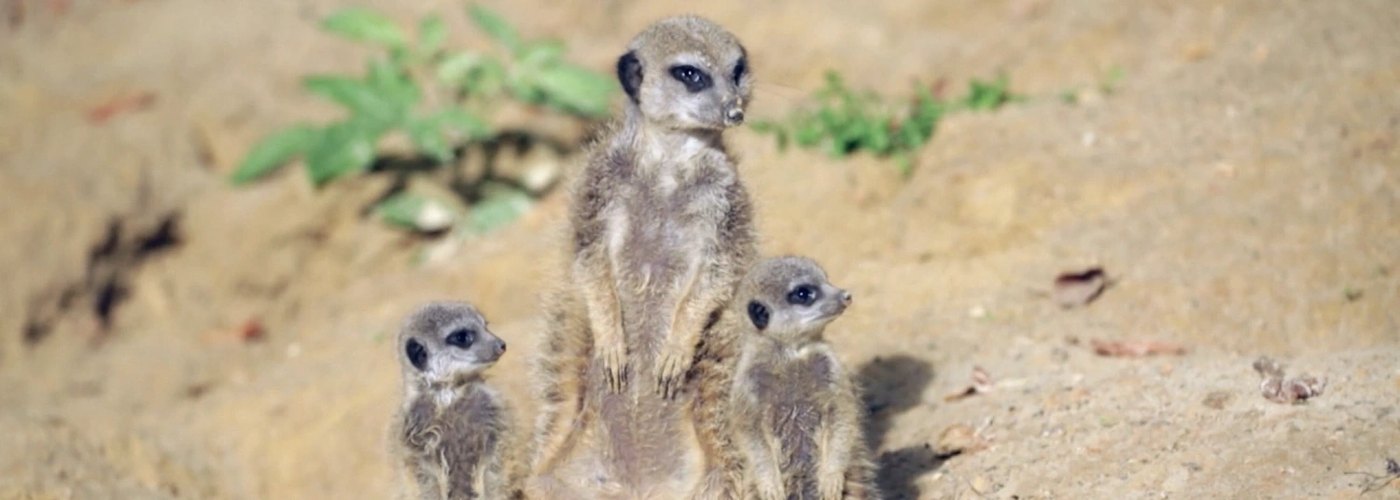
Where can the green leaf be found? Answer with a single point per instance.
(541, 54)
(496, 27)
(1115, 75)
(906, 165)
(498, 207)
(401, 57)
(576, 90)
(525, 90)
(273, 151)
(432, 33)
(426, 134)
(984, 96)
(342, 148)
(390, 83)
(361, 98)
(361, 24)
(456, 68)
(473, 73)
(417, 212)
(465, 123)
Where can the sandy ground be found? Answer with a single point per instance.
(1241, 187)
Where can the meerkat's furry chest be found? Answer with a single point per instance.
(667, 212)
(661, 226)
(457, 435)
(794, 389)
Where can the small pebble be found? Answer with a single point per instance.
(1217, 400)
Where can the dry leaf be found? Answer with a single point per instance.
(251, 330)
(981, 384)
(958, 439)
(1279, 388)
(1135, 348)
(1080, 287)
(121, 104)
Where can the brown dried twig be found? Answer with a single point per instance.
(981, 384)
(124, 103)
(1135, 348)
(1374, 482)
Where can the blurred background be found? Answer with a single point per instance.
(1071, 227)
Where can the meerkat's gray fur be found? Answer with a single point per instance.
(454, 434)
(661, 229)
(797, 411)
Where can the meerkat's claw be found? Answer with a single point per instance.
(614, 362)
(670, 371)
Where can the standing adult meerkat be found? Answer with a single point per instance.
(454, 433)
(661, 230)
(796, 409)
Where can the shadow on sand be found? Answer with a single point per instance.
(892, 385)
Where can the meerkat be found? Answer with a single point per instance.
(661, 229)
(797, 411)
(453, 434)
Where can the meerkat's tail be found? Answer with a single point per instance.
(559, 373)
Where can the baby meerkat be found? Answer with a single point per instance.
(661, 230)
(797, 411)
(453, 433)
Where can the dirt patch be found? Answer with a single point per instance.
(1239, 187)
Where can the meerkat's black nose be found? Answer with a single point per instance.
(846, 298)
(500, 347)
(734, 115)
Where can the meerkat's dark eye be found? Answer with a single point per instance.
(416, 353)
(758, 314)
(695, 79)
(739, 69)
(461, 337)
(803, 295)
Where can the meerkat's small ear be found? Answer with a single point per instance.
(629, 74)
(417, 354)
(758, 314)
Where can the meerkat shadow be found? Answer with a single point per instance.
(892, 385)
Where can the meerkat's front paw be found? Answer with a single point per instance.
(671, 366)
(614, 361)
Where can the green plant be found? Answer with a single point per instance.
(843, 121)
(440, 99)
(1107, 85)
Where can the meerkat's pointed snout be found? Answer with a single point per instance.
(495, 350)
(846, 298)
(734, 112)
